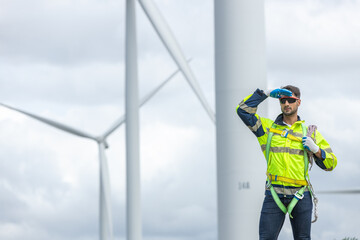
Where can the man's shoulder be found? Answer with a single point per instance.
(267, 122)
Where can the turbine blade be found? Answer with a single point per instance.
(105, 221)
(175, 51)
(142, 102)
(52, 123)
(157, 89)
(353, 191)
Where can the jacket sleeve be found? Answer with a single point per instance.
(329, 160)
(247, 112)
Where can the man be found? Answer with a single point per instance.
(283, 142)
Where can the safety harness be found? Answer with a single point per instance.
(304, 183)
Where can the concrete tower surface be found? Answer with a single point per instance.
(240, 68)
(133, 193)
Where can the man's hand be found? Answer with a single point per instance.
(278, 93)
(310, 145)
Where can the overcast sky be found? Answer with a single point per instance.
(64, 60)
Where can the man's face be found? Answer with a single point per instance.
(289, 105)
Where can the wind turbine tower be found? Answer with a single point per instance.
(133, 194)
(240, 68)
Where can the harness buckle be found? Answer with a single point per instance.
(298, 196)
(284, 133)
(268, 182)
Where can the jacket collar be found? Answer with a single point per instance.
(280, 120)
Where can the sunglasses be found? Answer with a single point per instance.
(288, 99)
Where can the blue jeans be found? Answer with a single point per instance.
(272, 218)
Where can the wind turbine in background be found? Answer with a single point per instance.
(105, 218)
(133, 205)
(105, 212)
(240, 67)
(133, 198)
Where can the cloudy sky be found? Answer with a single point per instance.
(64, 60)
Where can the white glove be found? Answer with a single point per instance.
(277, 93)
(309, 144)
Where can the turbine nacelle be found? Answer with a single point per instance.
(102, 140)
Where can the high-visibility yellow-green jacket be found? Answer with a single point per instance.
(286, 157)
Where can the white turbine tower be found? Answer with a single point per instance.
(133, 196)
(105, 213)
(240, 68)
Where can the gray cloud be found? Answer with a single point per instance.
(62, 32)
(64, 60)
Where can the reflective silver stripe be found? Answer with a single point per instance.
(287, 191)
(296, 134)
(246, 108)
(263, 147)
(284, 150)
(328, 150)
(256, 126)
(297, 151)
(279, 149)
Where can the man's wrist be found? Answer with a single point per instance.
(318, 154)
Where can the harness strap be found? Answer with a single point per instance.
(298, 195)
(287, 180)
(306, 158)
(277, 200)
(285, 133)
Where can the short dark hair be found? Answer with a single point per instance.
(293, 89)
